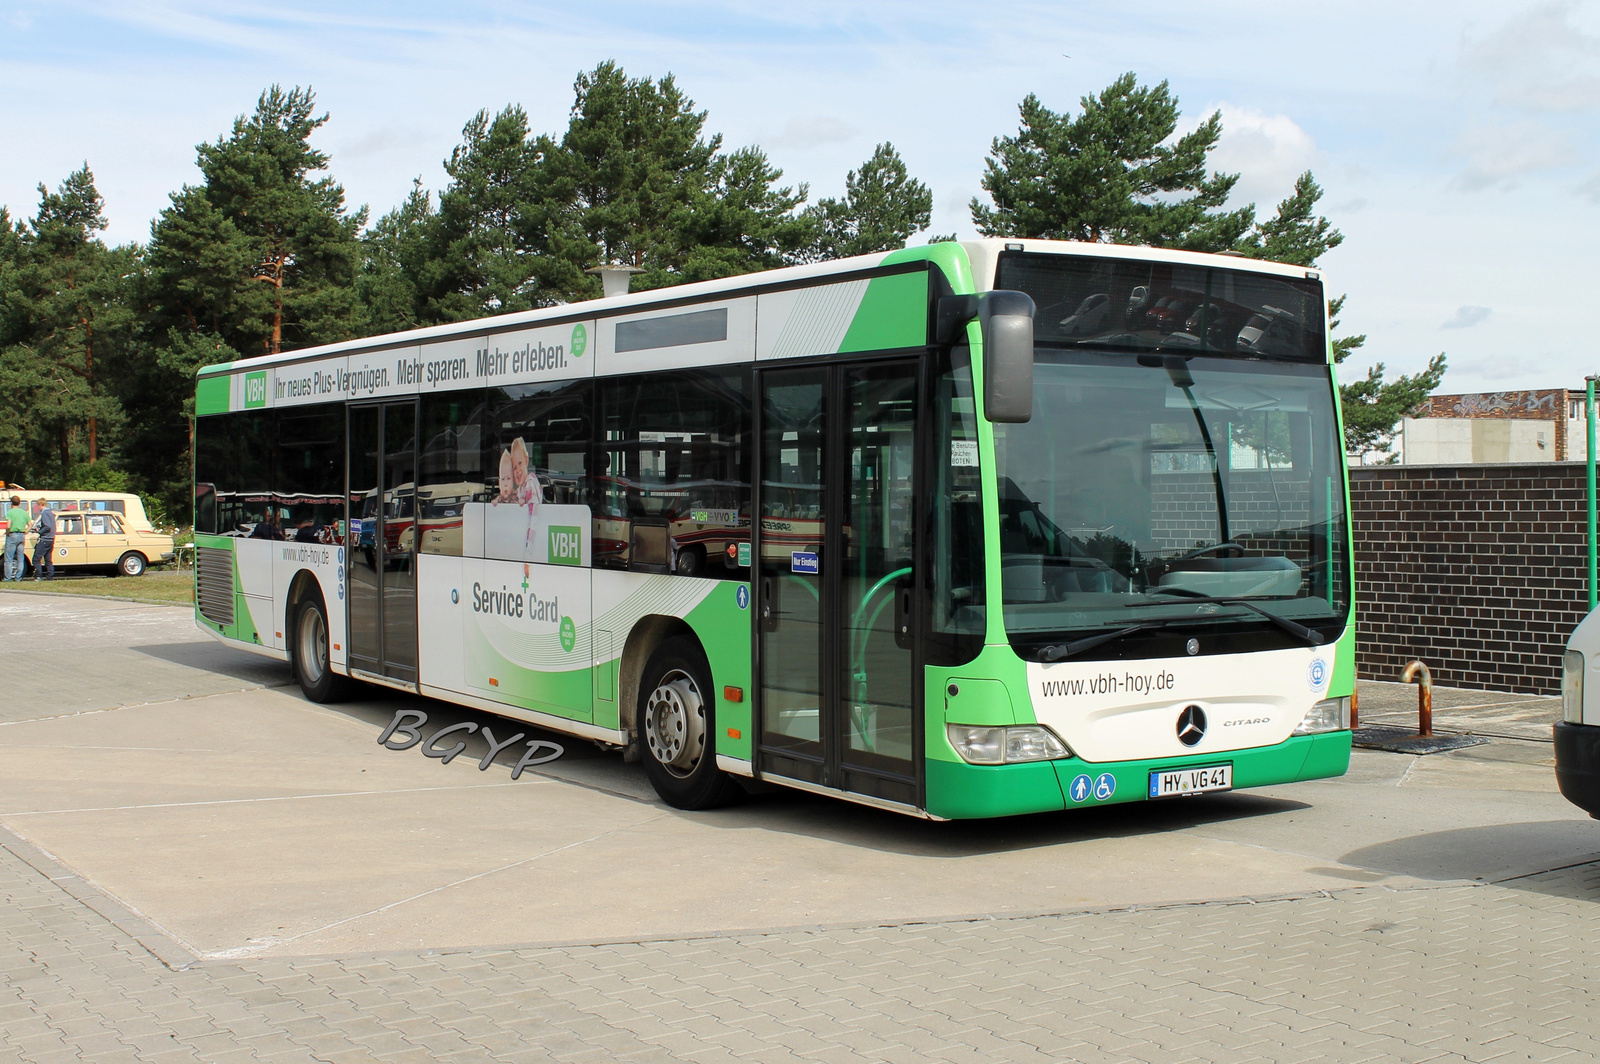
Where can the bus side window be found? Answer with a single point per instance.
(308, 471)
(674, 473)
(450, 471)
(958, 601)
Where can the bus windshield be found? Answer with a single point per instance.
(1151, 488)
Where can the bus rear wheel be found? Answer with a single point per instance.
(313, 667)
(676, 727)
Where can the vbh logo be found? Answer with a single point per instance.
(255, 388)
(566, 545)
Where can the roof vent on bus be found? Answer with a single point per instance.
(614, 280)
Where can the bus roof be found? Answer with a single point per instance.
(970, 259)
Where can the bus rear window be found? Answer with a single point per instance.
(1173, 308)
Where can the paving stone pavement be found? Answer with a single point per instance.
(1456, 972)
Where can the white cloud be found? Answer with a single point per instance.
(1540, 59)
(1267, 151)
(1499, 153)
(1467, 317)
(1496, 371)
(815, 131)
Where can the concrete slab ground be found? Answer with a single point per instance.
(221, 872)
(1459, 711)
(190, 783)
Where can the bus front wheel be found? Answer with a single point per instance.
(313, 668)
(676, 727)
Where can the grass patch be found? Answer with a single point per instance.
(156, 585)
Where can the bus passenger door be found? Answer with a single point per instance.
(380, 543)
(838, 679)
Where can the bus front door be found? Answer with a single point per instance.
(381, 544)
(835, 591)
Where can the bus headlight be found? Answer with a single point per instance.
(1572, 687)
(1331, 714)
(980, 745)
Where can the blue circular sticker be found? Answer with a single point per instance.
(1105, 785)
(742, 597)
(1318, 674)
(455, 596)
(1081, 786)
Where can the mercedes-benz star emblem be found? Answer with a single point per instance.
(1191, 725)
(1193, 646)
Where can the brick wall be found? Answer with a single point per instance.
(1479, 570)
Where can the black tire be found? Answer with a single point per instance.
(131, 564)
(308, 652)
(691, 562)
(677, 728)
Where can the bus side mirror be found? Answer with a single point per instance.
(1007, 322)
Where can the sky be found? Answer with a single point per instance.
(1457, 141)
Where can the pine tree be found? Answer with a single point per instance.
(1109, 175)
(66, 318)
(883, 207)
(495, 244)
(396, 254)
(260, 257)
(1373, 407)
(1296, 234)
(741, 222)
(635, 181)
(632, 163)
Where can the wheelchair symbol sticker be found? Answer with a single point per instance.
(1105, 785)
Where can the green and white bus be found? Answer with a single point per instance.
(964, 530)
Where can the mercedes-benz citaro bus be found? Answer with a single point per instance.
(998, 527)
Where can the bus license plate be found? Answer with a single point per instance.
(1181, 781)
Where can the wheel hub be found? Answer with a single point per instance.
(313, 645)
(675, 723)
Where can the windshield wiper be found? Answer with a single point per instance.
(1294, 628)
(1078, 646)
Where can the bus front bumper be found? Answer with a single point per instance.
(1578, 765)
(957, 790)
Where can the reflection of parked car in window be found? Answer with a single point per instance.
(1271, 331)
(440, 514)
(399, 527)
(99, 538)
(1089, 318)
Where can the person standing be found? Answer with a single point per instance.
(16, 532)
(44, 523)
